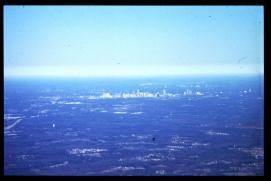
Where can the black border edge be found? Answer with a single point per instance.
(135, 2)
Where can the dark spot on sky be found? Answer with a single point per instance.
(241, 59)
(153, 139)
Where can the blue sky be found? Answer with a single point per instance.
(126, 40)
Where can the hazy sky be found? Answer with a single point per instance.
(126, 40)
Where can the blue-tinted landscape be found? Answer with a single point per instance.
(133, 90)
(134, 126)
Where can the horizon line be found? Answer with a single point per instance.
(135, 76)
(130, 71)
